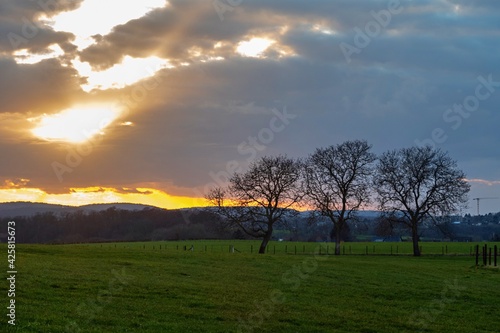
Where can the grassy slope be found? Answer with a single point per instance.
(86, 288)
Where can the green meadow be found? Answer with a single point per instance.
(160, 287)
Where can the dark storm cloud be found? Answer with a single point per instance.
(43, 87)
(169, 32)
(22, 25)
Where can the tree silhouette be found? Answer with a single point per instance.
(337, 182)
(260, 197)
(418, 183)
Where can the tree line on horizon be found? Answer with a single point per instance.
(408, 185)
(412, 187)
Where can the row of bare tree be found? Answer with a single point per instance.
(408, 186)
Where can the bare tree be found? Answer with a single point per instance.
(419, 183)
(262, 196)
(337, 182)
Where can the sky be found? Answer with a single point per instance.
(155, 101)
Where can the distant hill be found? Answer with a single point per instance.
(13, 209)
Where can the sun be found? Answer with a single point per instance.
(75, 125)
(254, 47)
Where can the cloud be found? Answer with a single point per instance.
(484, 181)
(15, 183)
(43, 87)
(23, 25)
(189, 121)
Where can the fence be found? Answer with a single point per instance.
(297, 248)
(488, 253)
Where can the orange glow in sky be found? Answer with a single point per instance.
(94, 195)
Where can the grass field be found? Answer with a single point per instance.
(131, 287)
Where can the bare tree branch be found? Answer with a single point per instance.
(418, 183)
(261, 197)
(337, 182)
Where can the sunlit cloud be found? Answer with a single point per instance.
(25, 57)
(323, 29)
(254, 47)
(128, 72)
(16, 183)
(75, 125)
(99, 17)
(484, 181)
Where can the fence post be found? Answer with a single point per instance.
(496, 254)
(484, 255)
(489, 257)
(477, 255)
(251, 248)
(391, 250)
(304, 249)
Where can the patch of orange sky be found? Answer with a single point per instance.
(94, 195)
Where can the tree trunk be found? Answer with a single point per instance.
(414, 235)
(337, 239)
(265, 241)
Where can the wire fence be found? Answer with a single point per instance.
(304, 248)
